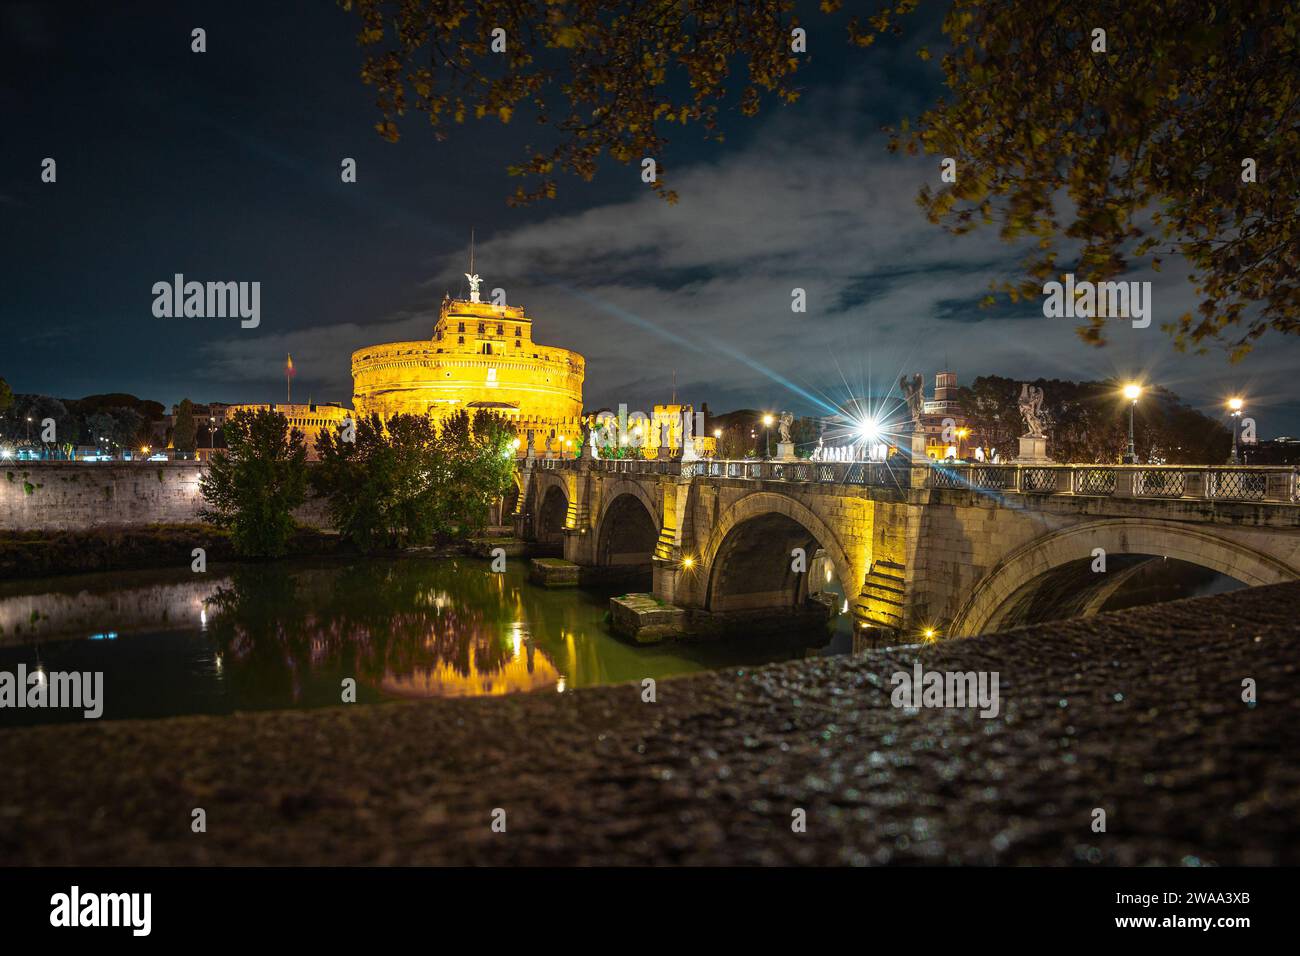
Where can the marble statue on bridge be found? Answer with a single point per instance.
(1033, 444)
(914, 394)
(1031, 407)
(784, 424)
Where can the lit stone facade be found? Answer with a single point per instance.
(481, 356)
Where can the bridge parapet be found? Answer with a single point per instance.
(1202, 482)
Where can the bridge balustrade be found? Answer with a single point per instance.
(1159, 483)
(1094, 481)
(1240, 485)
(948, 476)
(1038, 481)
(1220, 483)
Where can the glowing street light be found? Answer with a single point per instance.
(1235, 406)
(869, 429)
(767, 434)
(1132, 391)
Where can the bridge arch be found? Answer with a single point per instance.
(776, 524)
(627, 527)
(551, 510)
(1038, 559)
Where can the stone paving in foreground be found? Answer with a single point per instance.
(1139, 713)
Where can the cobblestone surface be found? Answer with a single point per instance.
(1139, 713)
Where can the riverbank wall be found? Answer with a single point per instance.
(76, 495)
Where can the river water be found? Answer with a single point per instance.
(286, 635)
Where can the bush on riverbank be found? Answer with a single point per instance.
(409, 481)
(33, 554)
(254, 486)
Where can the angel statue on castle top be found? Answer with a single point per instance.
(474, 281)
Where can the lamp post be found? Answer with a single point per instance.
(1132, 392)
(767, 436)
(1235, 406)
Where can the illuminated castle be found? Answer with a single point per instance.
(481, 356)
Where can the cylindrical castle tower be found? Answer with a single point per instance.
(481, 356)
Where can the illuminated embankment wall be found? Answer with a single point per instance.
(73, 495)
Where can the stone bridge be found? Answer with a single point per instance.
(916, 548)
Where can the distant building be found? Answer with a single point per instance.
(668, 419)
(947, 430)
(664, 421)
(212, 412)
(1283, 450)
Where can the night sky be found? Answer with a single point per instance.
(225, 166)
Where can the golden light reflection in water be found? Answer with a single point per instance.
(526, 670)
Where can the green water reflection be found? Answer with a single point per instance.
(287, 635)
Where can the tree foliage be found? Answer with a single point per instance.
(1130, 154)
(14, 422)
(185, 431)
(253, 487)
(1087, 422)
(609, 78)
(804, 432)
(407, 481)
(735, 443)
(1141, 145)
(6, 396)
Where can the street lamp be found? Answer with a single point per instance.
(1132, 392)
(1235, 406)
(767, 435)
(962, 434)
